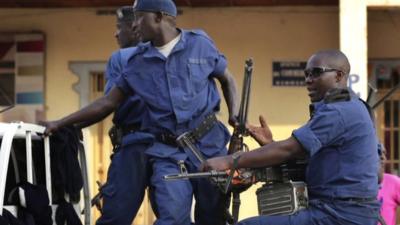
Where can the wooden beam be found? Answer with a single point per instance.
(179, 3)
(61, 3)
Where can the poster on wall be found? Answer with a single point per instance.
(288, 73)
(22, 77)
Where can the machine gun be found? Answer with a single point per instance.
(236, 143)
(283, 192)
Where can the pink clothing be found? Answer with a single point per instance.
(389, 196)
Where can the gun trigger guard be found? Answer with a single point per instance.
(182, 167)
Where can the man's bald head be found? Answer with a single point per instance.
(325, 70)
(334, 59)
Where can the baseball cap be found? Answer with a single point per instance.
(165, 6)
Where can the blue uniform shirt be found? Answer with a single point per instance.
(131, 111)
(179, 91)
(115, 66)
(341, 143)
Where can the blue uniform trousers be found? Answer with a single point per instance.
(126, 183)
(173, 199)
(324, 213)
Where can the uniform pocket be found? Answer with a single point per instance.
(199, 71)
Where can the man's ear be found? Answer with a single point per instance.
(340, 75)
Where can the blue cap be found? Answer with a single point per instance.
(165, 6)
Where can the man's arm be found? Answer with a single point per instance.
(113, 71)
(94, 112)
(229, 89)
(268, 155)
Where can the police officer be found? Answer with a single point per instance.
(174, 73)
(340, 143)
(128, 172)
(177, 83)
(128, 175)
(126, 39)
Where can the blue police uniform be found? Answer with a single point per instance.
(341, 176)
(180, 93)
(128, 172)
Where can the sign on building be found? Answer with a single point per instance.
(288, 73)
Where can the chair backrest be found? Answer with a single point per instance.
(29, 138)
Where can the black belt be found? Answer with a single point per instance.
(196, 134)
(358, 200)
(344, 199)
(129, 129)
(117, 132)
(167, 138)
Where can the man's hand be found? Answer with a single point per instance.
(218, 163)
(51, 127)
(262, 134)
(233, 121)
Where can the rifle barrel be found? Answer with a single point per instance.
(244, 103)
(196, 175)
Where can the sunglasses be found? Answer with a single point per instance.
(316, 72)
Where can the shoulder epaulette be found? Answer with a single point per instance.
(139, 49)
(200, 32)
(126, 54)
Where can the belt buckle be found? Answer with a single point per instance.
(187, 136)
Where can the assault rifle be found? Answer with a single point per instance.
(221, 178)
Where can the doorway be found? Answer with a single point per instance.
(386, 77)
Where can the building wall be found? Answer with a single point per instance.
(71, 35)
(384, 34)
(266, 34)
